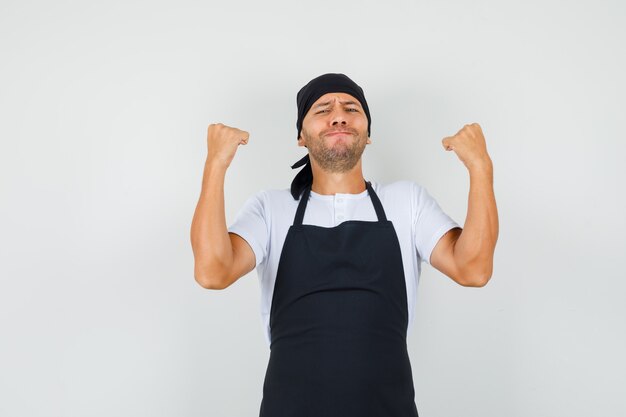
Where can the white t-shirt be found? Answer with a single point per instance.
(265, 218)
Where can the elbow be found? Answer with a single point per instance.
(209, 281)
(477, 282)
(476, 279)
(208, 284)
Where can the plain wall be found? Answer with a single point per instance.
(104, 108)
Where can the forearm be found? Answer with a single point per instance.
(474, 249)
(211, 244)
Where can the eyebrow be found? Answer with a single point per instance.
(342, 102)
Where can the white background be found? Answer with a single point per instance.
(103, 115)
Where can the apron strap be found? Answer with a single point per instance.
(304, 198)
(380, 212)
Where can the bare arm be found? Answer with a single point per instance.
(466, 255)
(220, 257)
(474, 249)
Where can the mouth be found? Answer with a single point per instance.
(338, 133)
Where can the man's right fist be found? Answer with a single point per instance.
(222, 142)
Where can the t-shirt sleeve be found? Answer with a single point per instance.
(252, 224)
(430, 222)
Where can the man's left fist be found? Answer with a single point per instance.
(469, 145)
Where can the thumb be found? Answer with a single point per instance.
(447, 143)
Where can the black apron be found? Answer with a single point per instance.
(338, 322)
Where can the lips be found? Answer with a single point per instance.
(338, 133)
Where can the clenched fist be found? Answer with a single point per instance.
(222, 142)
(469, 145)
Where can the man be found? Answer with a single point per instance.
(339, 257)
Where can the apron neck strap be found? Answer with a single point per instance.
(380, 212)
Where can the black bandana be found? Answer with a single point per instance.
(317, 87)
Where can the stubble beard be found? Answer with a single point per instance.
(339, 156)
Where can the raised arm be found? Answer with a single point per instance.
(219, 257)
(467, 255)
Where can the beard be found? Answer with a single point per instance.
(336, 154)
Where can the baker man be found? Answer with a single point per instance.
(339, 257)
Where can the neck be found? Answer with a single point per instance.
(329, 183)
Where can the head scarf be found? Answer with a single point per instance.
(313, 90)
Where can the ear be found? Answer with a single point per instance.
(368, 140)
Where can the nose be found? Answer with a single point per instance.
(338, 117)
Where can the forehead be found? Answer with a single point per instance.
(335, 96)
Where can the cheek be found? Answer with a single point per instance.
(317, 125)
(361, 121)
